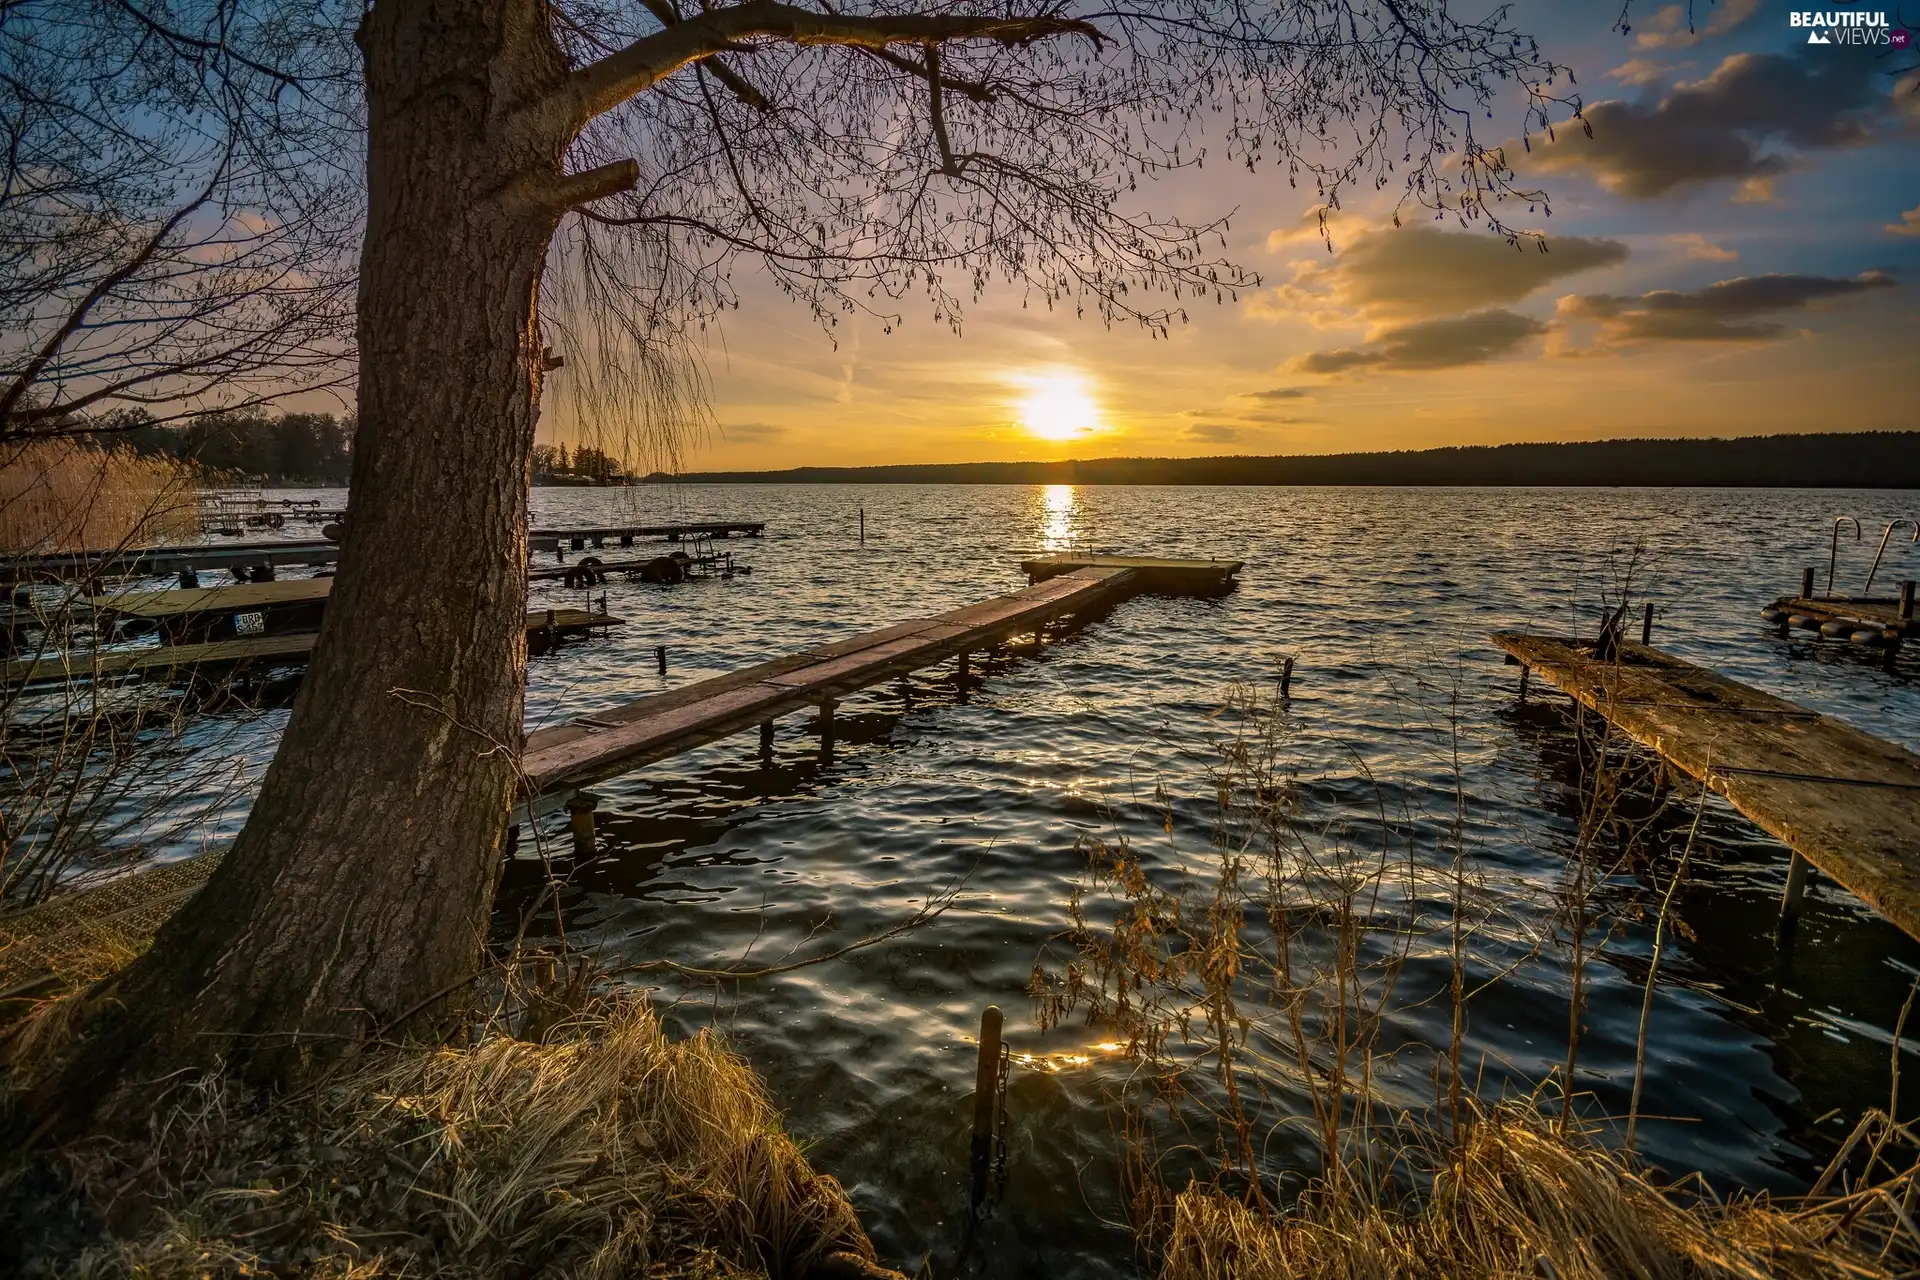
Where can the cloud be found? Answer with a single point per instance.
(752, 432)
(1639, 71)
(1697, 246)
(1400, 273)
(1672, 27)
(1729, 311)
(1909, 224)
(1212, 432)
(1722, 127)
(1429, 344)
(1312, 225)
(1278, 393)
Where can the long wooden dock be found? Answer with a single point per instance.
(1843, 801)
(157, 562)
(544, 628)
(598, 535)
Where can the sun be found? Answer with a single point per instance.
(1058, 406)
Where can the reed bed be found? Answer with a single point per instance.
(68, 495)
(573, 1139)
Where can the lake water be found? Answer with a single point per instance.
(1758, 1061)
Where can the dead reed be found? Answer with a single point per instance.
(69, 495)
(1259, 986)
(570, 1138)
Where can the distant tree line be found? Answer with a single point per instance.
(1855, 460)
(292, 448)
(555, 464)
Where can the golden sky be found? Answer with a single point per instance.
(1730, 254)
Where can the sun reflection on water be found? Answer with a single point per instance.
(1058, 517)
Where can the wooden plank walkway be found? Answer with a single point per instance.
(573, 755)
(1844, 801)
(597, 535)
(243, 597)
(285, 649)
(154, 562)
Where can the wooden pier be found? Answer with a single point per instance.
(158, 562)
(559, 540)
(1178, 577)
(545, 628)
(1843, 801)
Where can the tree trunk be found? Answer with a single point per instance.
(355, 901)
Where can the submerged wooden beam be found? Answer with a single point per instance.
(1844, 801)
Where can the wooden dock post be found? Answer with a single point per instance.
(1806, 583)
(986, 1097)
(552, 635)
(1646, 623)
(1906, 602)
(1286, 678)
(960, 671)
(580, 821)
(660, 658)
(826, 728)
(766, 739)
(1798, 872)
(1525, 671)
(863, 526)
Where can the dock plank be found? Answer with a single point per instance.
(241, 597)
(1845, 800)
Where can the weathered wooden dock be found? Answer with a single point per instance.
(545, 627)
(1843, 801)
(1180, 577)
(598, 535)
(214, 613)
(157, 562)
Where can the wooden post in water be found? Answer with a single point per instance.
(863, 526)
(1646, 623)
(1797, 872)
(766, 739)
(826, 728)
(986, 1094)
(1286, 678)
(1806, 583)
(960, 669)
(1525, 671)
(580, 820)
(660, 658)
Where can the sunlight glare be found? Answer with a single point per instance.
(1058, 406)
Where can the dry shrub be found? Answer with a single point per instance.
(606, 1150)
(68, 495)
(1519, 1199)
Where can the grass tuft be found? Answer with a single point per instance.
(603, 1149)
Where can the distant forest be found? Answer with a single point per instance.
(1853, 460)
(293, 448)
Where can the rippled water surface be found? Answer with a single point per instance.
(1384, 597)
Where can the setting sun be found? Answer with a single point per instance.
(1058, 406)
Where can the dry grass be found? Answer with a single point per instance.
(69, 496)
(1520, 1200)
(600, 1149)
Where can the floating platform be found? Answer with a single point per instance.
(1843, 801)
(1879, 622)
(597, 536)
(1169, 577)
(159, 562)
(545, 627)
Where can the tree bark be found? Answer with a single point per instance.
(354, 904)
